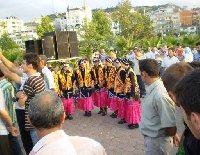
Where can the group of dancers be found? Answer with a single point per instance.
(110, 84)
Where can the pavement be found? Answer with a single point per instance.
(117, 139)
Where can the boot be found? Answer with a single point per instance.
(122, 121)
(86, 113)
(133, 126)
(101, 111)
(104, 112)
(70, 117)
(89, 114)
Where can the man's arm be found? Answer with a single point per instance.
(10, 65)
(10, 75)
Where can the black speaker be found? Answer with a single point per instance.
(29, 44)
(49, 45)
(34, 46)
(73, 49)
(72, 37)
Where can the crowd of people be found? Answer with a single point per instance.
(144, 89)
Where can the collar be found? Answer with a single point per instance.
(48, 139)
(151, 87)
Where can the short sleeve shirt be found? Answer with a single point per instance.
(48, 78)
(158, 111)
(3, 130)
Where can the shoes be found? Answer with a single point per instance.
(104, 113)
(89, 114)
(133, 126)
(86, 113)
(70, 117)
(113, 115)
(122, 121)
(101, 111)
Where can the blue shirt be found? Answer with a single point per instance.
(197, 56)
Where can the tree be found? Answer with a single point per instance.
(134, 26)
(96, 34)
(6, 43)
(45, 26)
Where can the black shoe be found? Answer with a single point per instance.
(86, 113)
(70, 117)
(122, 121)
(100, 112)
(113, 115)
(133, 126)
(104, 113)
(89, 114)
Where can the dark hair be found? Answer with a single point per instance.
(198, 43)
(195, 64)
(172, 48)
(32, 58)
(187, 92)
(1, 74)
(175, 73)
(150, 66)
(46, 110)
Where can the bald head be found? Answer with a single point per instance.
(46, 110)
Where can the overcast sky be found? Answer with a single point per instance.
(28, 9)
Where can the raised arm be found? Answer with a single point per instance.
(11, 66)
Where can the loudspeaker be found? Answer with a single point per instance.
(49, 45)
(38, 47)
(34, 46)
(63, 50)
(73, 49)
(29, 44)
(72, 37)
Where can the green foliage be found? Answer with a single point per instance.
(14, 54)
(96, 34)
(6, 43)
(45, 26)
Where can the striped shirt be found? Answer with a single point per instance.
(34, 85)
(8, 93)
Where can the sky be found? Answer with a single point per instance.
(29, 9)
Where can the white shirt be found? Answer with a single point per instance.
(136, 64)
(55, 143)
(3, 129)
(151, 55)
(87, 146)
(48, 78)
(167, 61)
(130, 56)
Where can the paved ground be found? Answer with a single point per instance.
(117, 139)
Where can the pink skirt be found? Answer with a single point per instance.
(68, 104)
(133, 112)
(85, 104)
(113, 103)
(121, 108)
(100, 98)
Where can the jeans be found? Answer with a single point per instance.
(25, 135)
(16, 149)
(34, 137)
(141, 86)
(158, 145)
(5, 147)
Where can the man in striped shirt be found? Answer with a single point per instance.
(29, 70)
(33, 85)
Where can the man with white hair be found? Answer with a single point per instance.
(46, 114)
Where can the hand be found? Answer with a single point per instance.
(14, 131)
(176, 140)
(1, 53)
(20, 94)
(132, 98)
